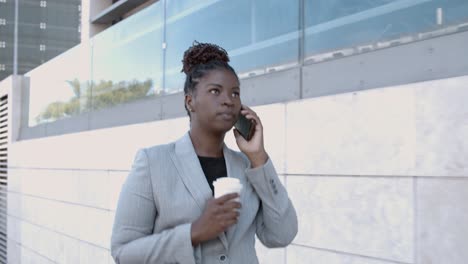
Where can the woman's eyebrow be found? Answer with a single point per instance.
(215, 84)
(220, 86)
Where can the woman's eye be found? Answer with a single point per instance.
(235, 94)
(214, 91)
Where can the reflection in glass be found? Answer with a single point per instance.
(337, 28)
(127, 59)
(107, 93)
(257, 34)
(61, 87)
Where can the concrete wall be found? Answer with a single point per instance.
(377, 176)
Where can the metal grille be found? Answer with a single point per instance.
(3, 176)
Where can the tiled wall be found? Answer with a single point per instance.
(378, 176)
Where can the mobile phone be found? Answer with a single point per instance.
(245, 127)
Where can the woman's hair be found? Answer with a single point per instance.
(198, 60)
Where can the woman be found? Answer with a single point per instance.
(166, 211)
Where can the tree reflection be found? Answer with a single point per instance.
(89, 96)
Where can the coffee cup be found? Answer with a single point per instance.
(227, 185)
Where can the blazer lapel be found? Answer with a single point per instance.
(191, 173)
(234, 170)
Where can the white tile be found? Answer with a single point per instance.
(23, 180)
(93, 254)
(171, 130)
(36, 182)
(93, 188)
(40, 211)
(116, 179)
(442, 128)
(69, 221)
(31, 182)
(96, 149)
(28, 256)
(62, 185)
(14, 204)
(79, 222)
(29, 235)
(26, 208)
(14, 252)
(269, 255)
(371, 216)
(58, 216)
(370, 132)
(47, 243)
(442, 214)
(14, 229)
(298, 254)
(51, 184)
(95, 226)
(14, 179)
(69, 251)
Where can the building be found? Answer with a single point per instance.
(363, 105)
(45, 29)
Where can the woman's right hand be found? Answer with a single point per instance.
(219, 215)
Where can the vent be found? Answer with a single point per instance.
(3, 176)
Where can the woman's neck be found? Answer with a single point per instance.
(206, 144)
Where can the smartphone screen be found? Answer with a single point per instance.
(244, 126)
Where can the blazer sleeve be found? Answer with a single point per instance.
(276, 220)
(132, 239)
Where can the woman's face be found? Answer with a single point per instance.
(216, 103)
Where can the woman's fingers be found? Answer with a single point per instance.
(223, 199)
(250, 114)
(232, 205)
(227, 219)
(232, 215)
(254, 118)
(226, 204)
(237, 135)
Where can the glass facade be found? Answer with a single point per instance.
(127, 60)
(7, 19)
(339, 28)
(46, 28)
(140, 57)
(265, 30)
(62, 87)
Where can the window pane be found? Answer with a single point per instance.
(59, 32)
(345, 27)
(256, 34)
(61, 87)
(7, 11)
(127, 59)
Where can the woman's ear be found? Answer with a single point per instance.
(189, 102)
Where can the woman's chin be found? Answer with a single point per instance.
(224, 128)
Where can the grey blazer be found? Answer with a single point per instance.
(166, 190)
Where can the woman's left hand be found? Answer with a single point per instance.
(254, 148)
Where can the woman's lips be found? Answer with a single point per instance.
(227, 115)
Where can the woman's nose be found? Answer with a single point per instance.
(227, 99)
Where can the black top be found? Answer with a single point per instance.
(213, 168)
